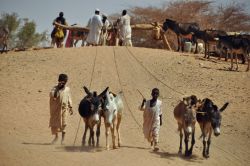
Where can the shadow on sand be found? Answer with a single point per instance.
(227, 69)
(90, 149)
(173, 156)
(134, 147)
(35, 143)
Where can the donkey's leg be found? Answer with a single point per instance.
(84, 134)
(179, 42)
(181, 136)
(232, 58)
(98, 132)
(118, 129)
(208, 143)
(113, 126)
(226, 55)
(236, 61)
(4, 48)
(186, 139)
(247, 57)
(204, 146)
(192, 143)
(208, 51)
(91, 136)
(205, 52)
(107, 135)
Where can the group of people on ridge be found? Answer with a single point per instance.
(98, 26)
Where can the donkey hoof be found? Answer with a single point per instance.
(190, 153)
(83, 143)
(205, 155)
(119, 144)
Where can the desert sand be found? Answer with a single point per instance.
(28, 76)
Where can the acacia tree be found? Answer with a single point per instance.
(27, 36)
(12, 22)
(232, 17)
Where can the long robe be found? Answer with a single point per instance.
(95, 26)
(125, 30)
(104, 33)
(59, 108)
(151, 121)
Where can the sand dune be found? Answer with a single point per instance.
(27, 77)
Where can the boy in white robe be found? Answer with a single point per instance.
(60, 105)
(152, 118)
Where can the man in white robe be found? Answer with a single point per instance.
(104, 32)
(125, 29)
(95, 26)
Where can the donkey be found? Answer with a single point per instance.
(209, 119)
(89, 109)
(236, 45)
(182, 29)
(184, 113)
(209, 37)
(112, 114)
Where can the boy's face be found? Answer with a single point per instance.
(61, 84)
(155, 94)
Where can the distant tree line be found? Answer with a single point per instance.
(22, 32)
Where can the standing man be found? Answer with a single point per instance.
(125, 29)
(60, 105)
(104, 32)
(58, 32)
(95, 26)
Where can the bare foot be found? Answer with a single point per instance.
(156, 149)
(54, 140)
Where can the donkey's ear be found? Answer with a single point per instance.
(185, 101)
(86, 90)
(104, 92)
(224, 107)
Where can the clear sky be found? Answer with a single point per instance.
(43, 12)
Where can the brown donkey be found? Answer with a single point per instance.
(184, 113)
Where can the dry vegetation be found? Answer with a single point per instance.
(232, 17)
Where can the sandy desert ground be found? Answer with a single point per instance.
(27, 77)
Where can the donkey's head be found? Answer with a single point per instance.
(190, 112)
(110, 107)
(189, 118)
(90, 105)
(214, 114)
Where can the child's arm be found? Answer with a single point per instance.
(160, 112)
(160, 119)
(142, 104)
(70, 103)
